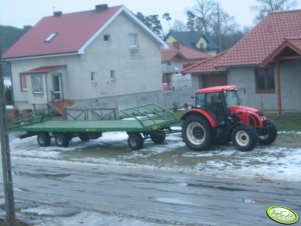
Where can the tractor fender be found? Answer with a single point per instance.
(203, 113)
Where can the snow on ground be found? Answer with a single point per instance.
(274, 162)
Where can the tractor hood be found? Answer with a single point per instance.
(239, 108)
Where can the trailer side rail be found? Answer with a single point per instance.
(151, 116)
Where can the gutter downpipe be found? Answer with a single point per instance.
(278, 87)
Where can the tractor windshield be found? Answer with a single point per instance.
(232, 98)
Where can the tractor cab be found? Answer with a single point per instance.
(217, 101)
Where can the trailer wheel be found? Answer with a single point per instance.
(83, 136)
(196, 133)
(158, 137)
(135, 141)
(270, 135)
(244, 137)
(62, 139)
(43, 139)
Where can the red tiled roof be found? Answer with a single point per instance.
(258, 44)
(176, 49)
(73, 31)
(43, 69)
(207, 65)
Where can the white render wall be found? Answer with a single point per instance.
(136, 71)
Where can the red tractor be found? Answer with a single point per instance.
(219, 117)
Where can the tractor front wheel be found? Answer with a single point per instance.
(270, 136)
(196, 133)
(244, 137)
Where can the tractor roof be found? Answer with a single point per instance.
(217, 89)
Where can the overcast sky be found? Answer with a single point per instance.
(28, 12)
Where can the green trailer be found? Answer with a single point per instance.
(140, 122)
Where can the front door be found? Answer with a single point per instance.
(57, 87)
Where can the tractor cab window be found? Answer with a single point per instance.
(212, 102)
(232, 98)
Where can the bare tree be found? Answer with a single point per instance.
(179, 26)
(209, 18)
(263, 7)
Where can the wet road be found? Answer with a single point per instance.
(64, 189)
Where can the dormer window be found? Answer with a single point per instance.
(51, 37)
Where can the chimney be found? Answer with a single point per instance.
(57, 13)
(176, 45)
(101, 7)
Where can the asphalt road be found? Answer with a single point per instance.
(153, 197)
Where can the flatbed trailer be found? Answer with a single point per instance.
(142, 122)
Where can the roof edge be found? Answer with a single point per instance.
(40, 56)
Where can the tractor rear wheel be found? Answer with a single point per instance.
(135, 141)
(270, 135)
(43, 139)
(244, 137)
(197, 133)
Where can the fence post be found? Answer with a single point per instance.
(5, 152)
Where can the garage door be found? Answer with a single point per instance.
(215, 80)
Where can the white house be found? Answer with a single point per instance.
(86, 57)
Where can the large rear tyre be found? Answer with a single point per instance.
(270, 136)
(244, 137)
(135, 141)
(197, 133)
(62, 139)
(43, 139)
(158, 137)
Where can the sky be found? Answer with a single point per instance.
(28, 12)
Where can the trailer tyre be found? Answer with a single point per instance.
(135, 141)
(270, 135)
(158, 138)
(62, 139)
(197, 133)
(244, 137)
(43, 139)
(84, 137)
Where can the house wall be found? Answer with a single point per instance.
(136, 70)
(290, 74)
(244, 77)
(25, 99)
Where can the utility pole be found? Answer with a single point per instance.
(6, 162)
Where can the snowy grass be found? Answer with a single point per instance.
(271, 162)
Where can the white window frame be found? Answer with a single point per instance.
(133, 40)
(37, 83)
(24, 82)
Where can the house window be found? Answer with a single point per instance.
(50, 37)
(112, 75)
(92, 76)
(24, 83)
(106, 37)
(37, 83)
(265, 80)
(133, 40)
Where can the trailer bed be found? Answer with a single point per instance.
(141, 122)
(96, 126)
